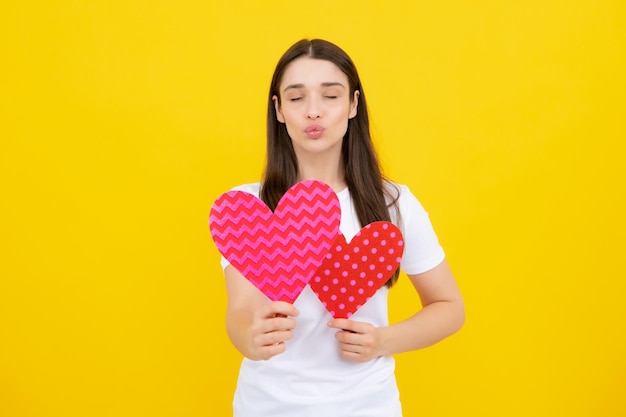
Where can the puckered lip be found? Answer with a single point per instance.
(314, 128)
(314, 131)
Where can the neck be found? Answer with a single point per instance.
(322, 168)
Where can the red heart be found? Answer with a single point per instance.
(278, 252)
(352, 273)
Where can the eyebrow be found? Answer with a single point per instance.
(327, 84)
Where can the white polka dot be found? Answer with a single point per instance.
(355, 266)
(330, 255)
(379, 275)
(351, 299)
(353, 282)
(374, 250)
(344, 274)
(346, 257)
(356, 249)
(317, 279)
(349, 315)
(385, 226)
(338, 248)
(343, 290)
(327, 272)
(376, 234)
(370, 283)
(381, 259)
(362, 274)
(361, 291)
(398, 259)
(372, 267)
(332, 313)
(366, 242)
(389, 268)
(335, 281)
(341, 306)
(333, 297)
(364, 258)
(383, 243)
(325, 288)
(391, 251)
(337, 264)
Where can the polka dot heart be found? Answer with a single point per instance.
(352, 272)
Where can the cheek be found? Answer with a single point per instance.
(287, 116)
(289, 123)
(343, 118)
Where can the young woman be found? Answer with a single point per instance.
(298, 360)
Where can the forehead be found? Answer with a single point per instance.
(312, 72)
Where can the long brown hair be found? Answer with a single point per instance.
(372, 198)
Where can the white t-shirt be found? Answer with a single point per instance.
(311, 379)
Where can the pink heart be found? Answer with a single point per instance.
(277, 252)
(352, 273)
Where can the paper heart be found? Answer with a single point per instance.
(352, 272)
(277, 252)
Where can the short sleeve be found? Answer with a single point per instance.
(422, 250)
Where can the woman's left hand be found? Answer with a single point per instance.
(358, 341)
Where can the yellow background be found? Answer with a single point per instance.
(122, 121)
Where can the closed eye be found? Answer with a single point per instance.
(295, 99)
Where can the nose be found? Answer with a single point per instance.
(313, 110)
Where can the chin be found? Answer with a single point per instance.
(317, 145)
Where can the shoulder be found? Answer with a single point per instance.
(422, 250)
(401, 195)
(253, 188)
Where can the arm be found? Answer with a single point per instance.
(256, 327)
(442, 314)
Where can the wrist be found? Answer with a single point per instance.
(384, 341)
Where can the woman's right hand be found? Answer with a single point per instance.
(256, 327)
(271, 326)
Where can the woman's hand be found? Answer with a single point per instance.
(256, 327)
(441, 315)
(271, 326)
(358, 341)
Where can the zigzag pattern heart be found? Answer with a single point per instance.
(277, 252)
(352, 272)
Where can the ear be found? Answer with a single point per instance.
(354, 104)
(279, 114)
